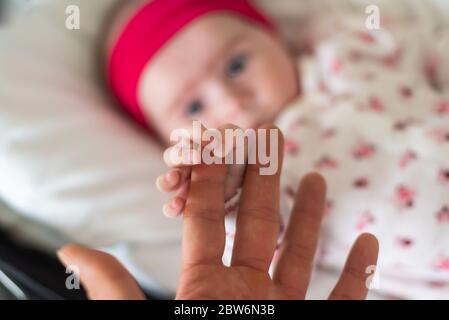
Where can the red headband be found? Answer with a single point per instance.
(147, 32)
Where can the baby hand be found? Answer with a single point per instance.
(180, 158)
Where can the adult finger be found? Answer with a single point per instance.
(354, 281)
(103, 277)
(203, 227)
(298, 247)
(258, 219)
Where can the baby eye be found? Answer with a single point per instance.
(194, 108)
(237, 65)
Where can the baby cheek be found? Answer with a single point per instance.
(168, 125)
(271, 91)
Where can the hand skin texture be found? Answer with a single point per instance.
(203, 274)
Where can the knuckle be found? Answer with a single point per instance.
(210, 214)
(354, 272)
(262, 212)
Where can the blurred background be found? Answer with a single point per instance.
(58, 184)
(10, 8)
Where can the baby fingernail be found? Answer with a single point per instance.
(159, 183)
(168, 211)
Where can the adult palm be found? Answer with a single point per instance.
(204, 276)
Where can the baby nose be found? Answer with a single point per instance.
(236, 101)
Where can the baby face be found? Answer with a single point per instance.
(219, 69)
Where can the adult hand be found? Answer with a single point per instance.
(203, 274)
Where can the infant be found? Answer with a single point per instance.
(369, 110)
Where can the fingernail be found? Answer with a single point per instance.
(166, 209)
(158, 184)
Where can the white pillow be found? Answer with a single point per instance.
(66, 157)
